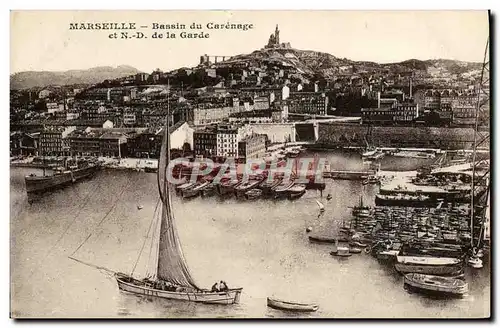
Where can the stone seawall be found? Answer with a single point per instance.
(348, 134)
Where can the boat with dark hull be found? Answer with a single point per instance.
(39, 184)
(253, 194)
(296, 191)
(243, 187)
(267, 186)
(226, 188)
(195, 190)
(326, 239)
(281, 190)
(436, 285)
(403, 200)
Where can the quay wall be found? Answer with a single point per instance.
(354, 135)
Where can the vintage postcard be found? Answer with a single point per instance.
(250, 164)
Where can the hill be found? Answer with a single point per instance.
(30, 79)
(308, 64)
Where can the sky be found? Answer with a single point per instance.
(42, 40)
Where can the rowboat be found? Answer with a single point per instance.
(296, 191)
(253, 194)
(436, 285)
(291, 306)
(180, 188)
(243, 187)
(227, 187)
(282, 189)
(325, 239)
(194, 190)
(341, 251)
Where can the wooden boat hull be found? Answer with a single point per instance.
(297, 195)
(382, 200)
(326, 240)
(253, 194)
(127, 284)
(225, 189)
(291, 306)
(428, 269)
(40, 184)
(450, 287)
(333, 253)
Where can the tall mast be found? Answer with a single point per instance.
(480, 185)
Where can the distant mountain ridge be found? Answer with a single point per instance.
(30, 79)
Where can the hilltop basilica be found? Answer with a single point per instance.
(274, 41)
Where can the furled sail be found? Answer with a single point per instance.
(172, 266)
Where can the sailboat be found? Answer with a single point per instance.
(321, 206)
(172, 279)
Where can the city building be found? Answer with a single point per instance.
(403, 113)
(227, 141)
(44, 94)
(22, 143)
(252, 147)
(108, 142)
(205, 142)
(310, 103)
(146, 144)
(52, 140)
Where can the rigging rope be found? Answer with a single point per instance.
(104, 218)
(153, 237)
(145, 239)
(86, 200)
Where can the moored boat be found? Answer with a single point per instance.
(324, 239)
(253, 194)
(291, 306)
(281, 190)
(226, 187)
(436, 285)
(267, 186)
(341, 251)
(60, 178)
(296, 191)
(194, 190)
(180, 188)
(405, 200)
(243, 187)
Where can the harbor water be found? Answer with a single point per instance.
(259, 245)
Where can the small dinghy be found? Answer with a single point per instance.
(325, 239)
(355, 250)
(341, 251)
(357, 244)
(253, 194)
(475, 262)
(435, 285)
(291, 306)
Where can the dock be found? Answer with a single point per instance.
(348, 175)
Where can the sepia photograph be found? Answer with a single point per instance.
(227, 164)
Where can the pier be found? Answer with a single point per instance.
(348, 175)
